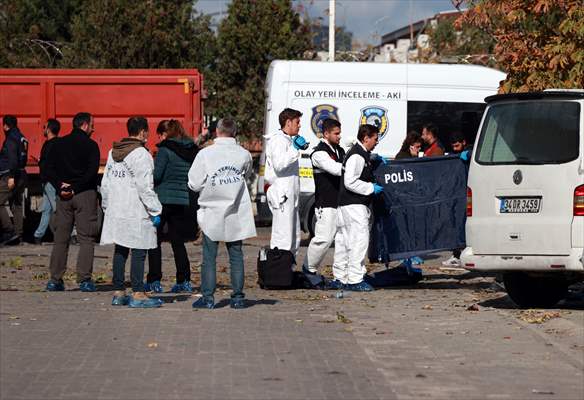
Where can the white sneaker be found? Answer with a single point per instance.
(452, 262)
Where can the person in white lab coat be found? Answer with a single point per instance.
(225, 214)
(357, 187)
(327, 162)
(131, 211)
(282, 153)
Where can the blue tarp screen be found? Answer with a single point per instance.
(422, 209)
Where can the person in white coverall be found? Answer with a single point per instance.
(357, 187)
(282, 154)
(131, 212)
(225, 214)
(327, 162)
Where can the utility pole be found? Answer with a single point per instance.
(331, 30)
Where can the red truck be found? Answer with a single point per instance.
(110, 95)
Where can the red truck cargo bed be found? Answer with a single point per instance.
(34, 95)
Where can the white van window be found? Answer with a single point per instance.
(530, 133)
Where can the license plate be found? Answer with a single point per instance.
(519, 205)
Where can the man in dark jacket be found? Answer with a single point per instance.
(72, 169)
(12, 180)
(51, 131)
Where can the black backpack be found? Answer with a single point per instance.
(275, 268)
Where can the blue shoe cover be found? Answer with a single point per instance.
(146, 303)
(204, 303)
(187, 287)
(360, 287)
(87, 286)
(182, 287)
(155, 287)
(315, 279)
(237, 303)
(120, 300)
(335, 284)
(417, 260)
(53, 286)
(408, 264)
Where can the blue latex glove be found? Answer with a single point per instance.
(376, 159)
(299, 143)
(377, 188)
(155, 220)
(465, 155)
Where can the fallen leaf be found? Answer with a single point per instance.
(343, 319)
(14, 317)
(537, 316)
(427, 307)
(152, 345)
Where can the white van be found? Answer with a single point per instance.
(525, 210)
(396, 97)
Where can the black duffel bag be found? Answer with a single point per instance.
(275, 268)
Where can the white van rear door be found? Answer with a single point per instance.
(524, 173)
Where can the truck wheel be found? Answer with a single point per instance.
(535, 291)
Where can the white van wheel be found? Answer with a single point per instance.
(542, 291)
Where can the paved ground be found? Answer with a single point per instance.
(404, 343)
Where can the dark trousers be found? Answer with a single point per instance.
(174, 217)
(136, 268)
(15, 200)
(80, 211)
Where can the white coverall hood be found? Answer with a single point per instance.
(128, 201)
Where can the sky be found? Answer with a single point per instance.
(367, 19)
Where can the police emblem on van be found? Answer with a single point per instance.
(377, 116)
(319, 114)
(517, 177)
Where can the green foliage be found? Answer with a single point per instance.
(105, 34)
(33, 32)
(539, 43)
(254, 33)
(320, 36)
(443, 38)
(464, 42)
(140, 34)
